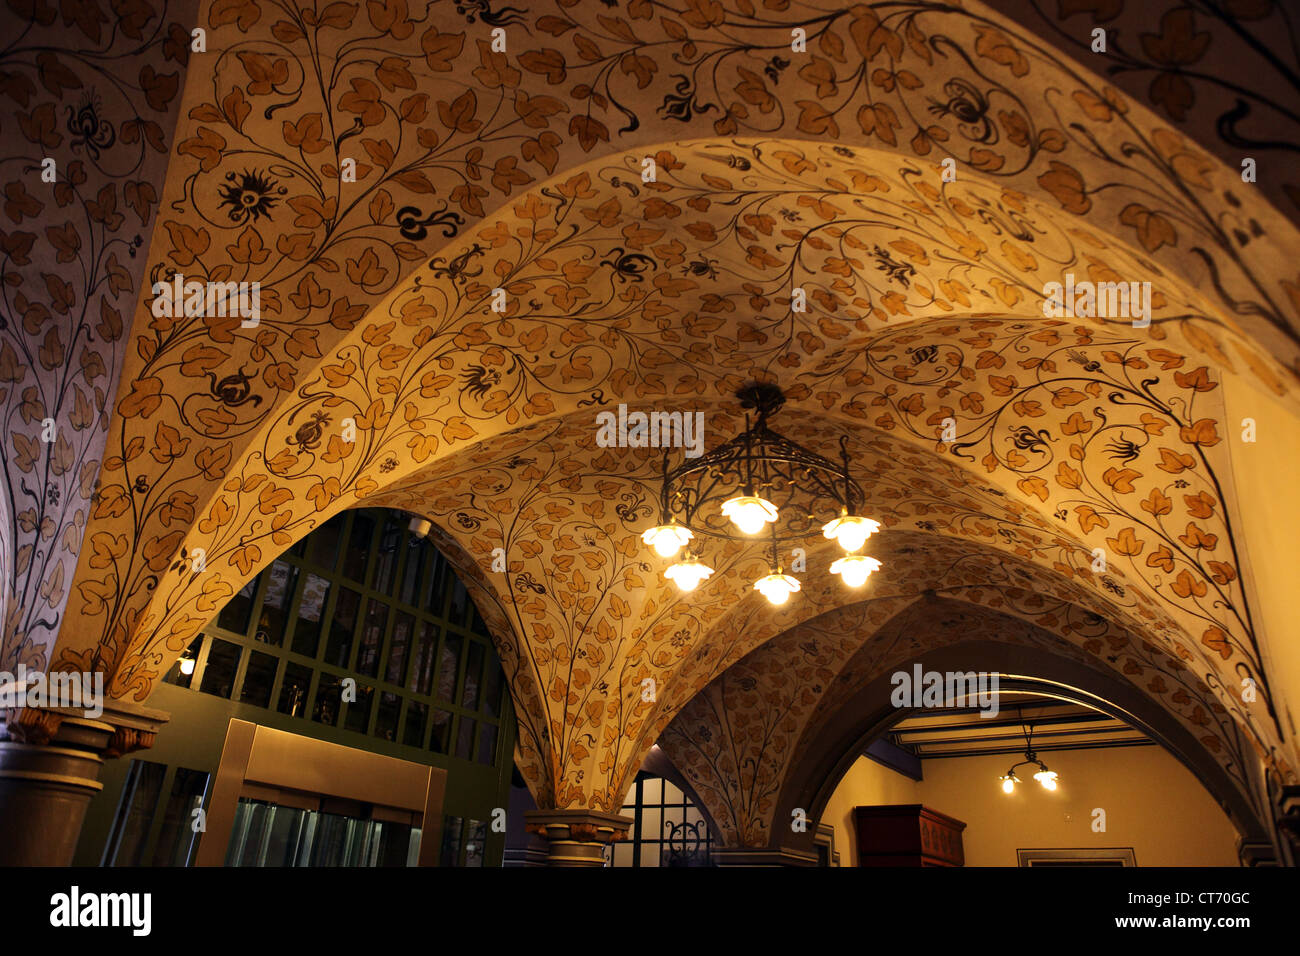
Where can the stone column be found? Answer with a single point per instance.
(577, 837)
(50, 761)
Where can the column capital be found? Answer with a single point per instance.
(577, 836)
(50, 761)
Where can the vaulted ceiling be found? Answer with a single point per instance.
(522, 170)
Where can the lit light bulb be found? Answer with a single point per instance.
(850, 531)
(667, 539)
(777, 587)
(854, 569)
(1047, 778)
(688, 574)
(749, 513)
(1008, 785)
(187, 666)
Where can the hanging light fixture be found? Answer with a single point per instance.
(688, 574)
(1047, 778)
(760, 481)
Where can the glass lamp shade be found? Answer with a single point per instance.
(667, 539)
(187, 666)
(1047, 778)
(777, 588)
(850, 531)
(1008, 784)
(688, 573)
(854, 569)
(749, 513)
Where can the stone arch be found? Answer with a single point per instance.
(778, 730)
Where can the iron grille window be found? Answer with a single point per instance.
(667, 828)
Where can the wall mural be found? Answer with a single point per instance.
(228, 439)
(90, 93)
(738, 739)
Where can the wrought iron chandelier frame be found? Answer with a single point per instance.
(759, 461)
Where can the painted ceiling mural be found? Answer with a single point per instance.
(89, 94)
(522, 170)
(1183, 59)
(737, 740)
(595, 318)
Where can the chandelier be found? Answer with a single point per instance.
(761, 484)
(1044, 776)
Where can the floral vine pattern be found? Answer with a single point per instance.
(595, 274)
(1180, 56)
(375, 297)
(92, 88)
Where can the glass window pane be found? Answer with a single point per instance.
(448, 665)
(390, 543)
(417, 559)
(358, 553)
(136, 813)
(417, 719)
(329, 700)
(178, 674)
(458, 610)
(324, 543)
(440, 739)
(293, 692)
(492, 687)
(259, 678)
(390, 706)
(177, 835)
(451, 827)
(400, 643)
(239, 609)
(219, 672)
(358, 715)
(435, 596)
(274, 618)
(475, 837)
(465, 739)
(425, 651)
(342, 627)
(372, 638)
(306, 630)
(473, 675)
(487, 744)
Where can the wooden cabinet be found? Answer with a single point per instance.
(907, 835)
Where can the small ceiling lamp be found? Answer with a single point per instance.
(760, 481)
(667, 539)
(749, 513)
(187, 666)
(1047, 778)
(777, 587)
(688, 573)
(854, 569)
(850, 531)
